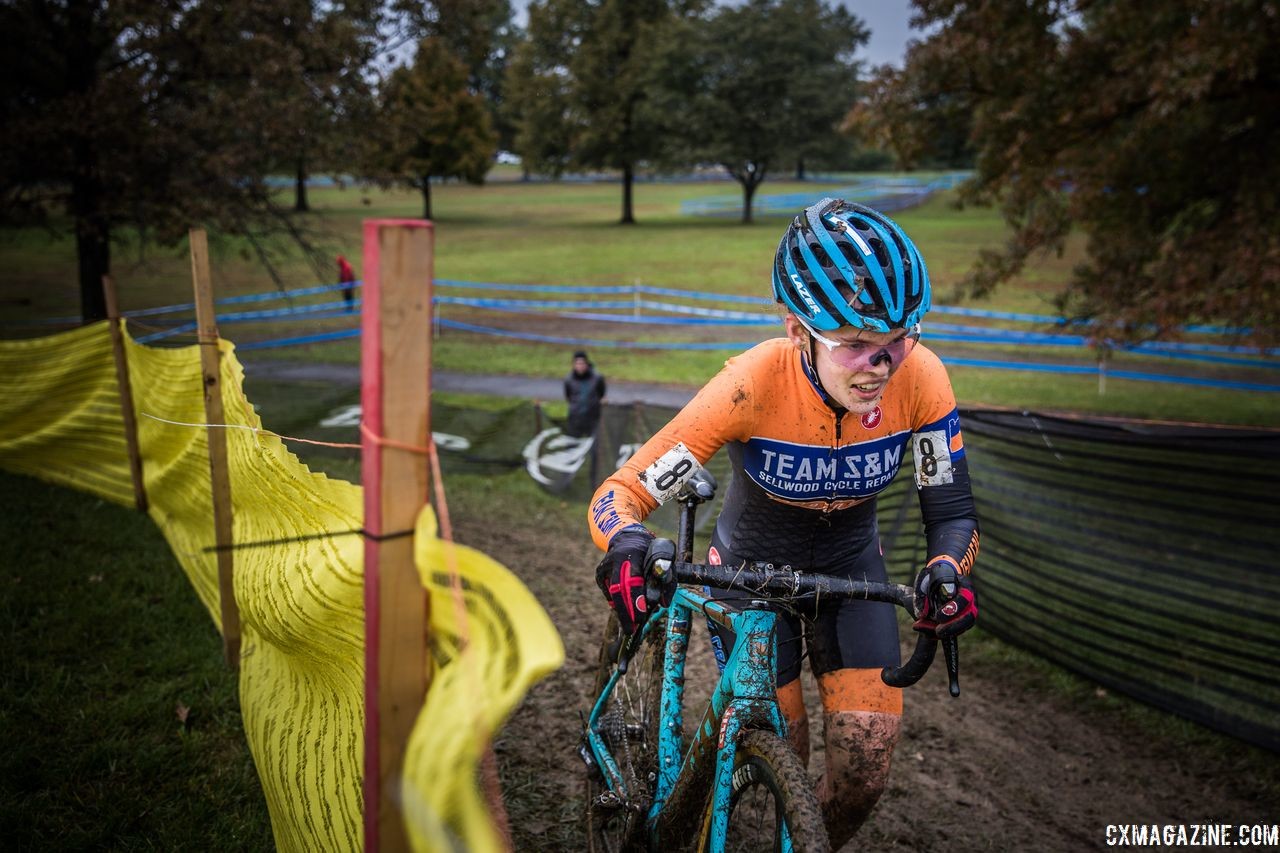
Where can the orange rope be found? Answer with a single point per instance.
(442, 505)
(383, 441)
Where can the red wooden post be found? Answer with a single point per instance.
(395, 397)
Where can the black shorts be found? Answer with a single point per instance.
(835, 634)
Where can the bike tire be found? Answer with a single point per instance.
(770, 787)
(633, 714)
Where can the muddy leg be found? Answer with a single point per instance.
(791, 703)
(862, 721)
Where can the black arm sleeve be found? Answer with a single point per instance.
(950, 519)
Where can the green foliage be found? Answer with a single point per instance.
(482, 35)
(588, 86)
(161, 116)
(323, 99)
(432, 125)
(119, 725)
(754, 103)
(1150, 127)
(538, 88)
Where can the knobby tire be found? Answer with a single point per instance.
(633, 713)
(771, 785)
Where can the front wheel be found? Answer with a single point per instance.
(629, 727)
(772, 799)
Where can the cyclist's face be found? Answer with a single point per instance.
(854, 364)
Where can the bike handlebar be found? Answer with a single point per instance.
(662, 571)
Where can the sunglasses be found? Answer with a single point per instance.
(855, 355)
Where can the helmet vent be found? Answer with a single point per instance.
(877, 246)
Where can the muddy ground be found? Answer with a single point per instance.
(1025, 759)
(1028, 758)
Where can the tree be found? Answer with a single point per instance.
(613, 71)
(483, 36)
(140, 118)
(592, 71)
(1151, 128)
(538, 87)
(319, 74)
(755, 105)
(433, 125)
(943, 123)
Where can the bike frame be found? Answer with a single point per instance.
(744, 698)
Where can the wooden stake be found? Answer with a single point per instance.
(395, 397)
(126, 393)
(219, 473)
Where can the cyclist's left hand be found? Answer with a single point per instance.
(620, 576)
(950, 607)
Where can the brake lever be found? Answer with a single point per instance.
(951, 651)
(626, 650)
(944, 593)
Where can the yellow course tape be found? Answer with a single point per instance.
(301, 607)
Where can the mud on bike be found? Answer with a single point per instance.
(734, 783)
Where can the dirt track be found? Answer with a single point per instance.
(1026, 759)
(1014, 764)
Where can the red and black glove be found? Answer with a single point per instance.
(620, 576)
(950, 607)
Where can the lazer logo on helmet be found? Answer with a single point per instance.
(809, 301)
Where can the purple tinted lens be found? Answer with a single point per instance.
(862, 356)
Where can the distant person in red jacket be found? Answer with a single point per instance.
(347, 276)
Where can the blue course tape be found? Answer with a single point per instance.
(276, 313)
(948, 332)
(1114, 374)
(659, 291)
(1076, 369)
(674, 308)
(555, 339)
(167, 333)
(650, 320)
(704, 295)
(516, 304)
(305, 339)
(533, 288)
(237, 300)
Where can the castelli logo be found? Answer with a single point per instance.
(950, 608)
(872, 418)
(713, 556)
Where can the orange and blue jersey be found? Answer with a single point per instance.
(805, 472)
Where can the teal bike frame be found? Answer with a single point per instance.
(744, 698)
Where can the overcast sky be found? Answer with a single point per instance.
(887, 20)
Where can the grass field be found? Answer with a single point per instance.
(566, 233)
(119, 722)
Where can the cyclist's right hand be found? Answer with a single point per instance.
(620, 576)
(949, 605)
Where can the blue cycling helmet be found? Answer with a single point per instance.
(843, 264)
